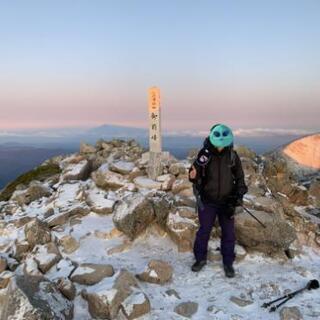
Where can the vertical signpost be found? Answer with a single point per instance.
(154, 167)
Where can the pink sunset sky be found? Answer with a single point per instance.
(249, 66)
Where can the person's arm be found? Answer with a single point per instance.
(197, 169)
(241, 187)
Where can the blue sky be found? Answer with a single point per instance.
(250, 64)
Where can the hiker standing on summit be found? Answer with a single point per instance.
(219, 185)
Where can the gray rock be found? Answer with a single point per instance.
(180, 185)
(37, 232)
(105, 300)
(177, 168)
(35, 191)
(76, 171)
(122, 167)
(162, 205)
(133, 214)
(46, 256)
(87, 148)
(69, 244)
(135, 305)
(181, 230)
(147, 183)
(172, 292)
(186, 309)
(32, 298)
(167, 181)
(91, 273)
(5, 278)
(290, 313)
(66, 287)
(3, 264)
(107, 179)
(241, 302)
(275, 238)
(157, 271)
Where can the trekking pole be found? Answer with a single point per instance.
(251, 214)
(312, 284)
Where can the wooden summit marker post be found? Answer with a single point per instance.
(154, 166)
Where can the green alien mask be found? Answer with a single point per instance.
(221, 136)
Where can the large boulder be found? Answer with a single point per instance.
(61, 217)
(135, 306)
(122, 167)
(35, 191)
(274, 239)
(46, 256)
(37, 232)
(111, 295)
(99, 202)
(76, 171)
(107, 179)
(147, 183)
(133, 214)
(182, 228)
(162, 204)
(180, 185)
(69, 243)
(32, 298)
(91, 273)
(66, 287)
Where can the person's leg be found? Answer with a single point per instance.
(207, 217)
(228, 238)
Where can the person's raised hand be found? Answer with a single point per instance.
(193, 173)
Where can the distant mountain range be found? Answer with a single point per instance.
(24, 149)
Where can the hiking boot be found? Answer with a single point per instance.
(198, 265)
(229, 271)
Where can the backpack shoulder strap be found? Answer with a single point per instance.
(233, 155)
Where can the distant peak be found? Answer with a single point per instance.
(305, 151)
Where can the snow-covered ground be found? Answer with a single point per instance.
(258, 279)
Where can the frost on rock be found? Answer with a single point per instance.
(105, 299)
(181, 230)
(46, 256)
(147, 183)
(76, 171)
(157, 271)
(32, 297)
(123, 167)
(107, 179)
(136, 305)
(99, 202)
(91, 273)
(133, 214)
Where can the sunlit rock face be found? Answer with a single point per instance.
(305, 151)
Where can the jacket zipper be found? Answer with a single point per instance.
(219, 169)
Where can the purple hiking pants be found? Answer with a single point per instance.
(207, 216)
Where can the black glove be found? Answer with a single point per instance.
(230, 211)
(235, 201)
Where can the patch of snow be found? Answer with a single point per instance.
(153, 274)
(135, 298)
(83, 270)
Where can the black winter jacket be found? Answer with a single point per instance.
(221, 178)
